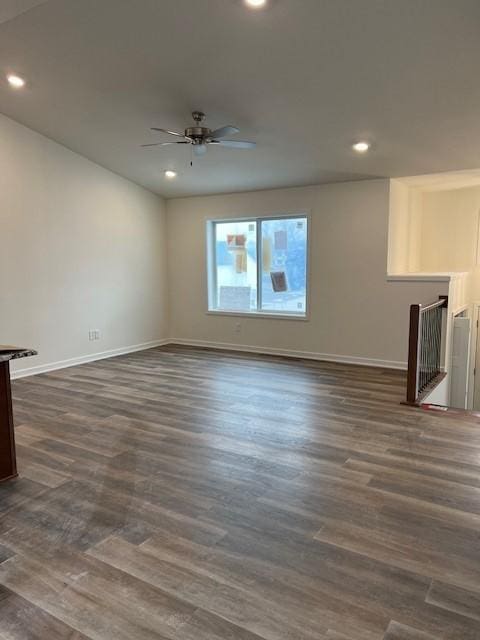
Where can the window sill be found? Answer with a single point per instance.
(259, 314)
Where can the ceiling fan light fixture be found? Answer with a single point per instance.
(256, 4)
(199, 149)
(15, 81)
(170, 174)
(361, 146)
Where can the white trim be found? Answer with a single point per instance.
(72, 362)
(260, 314)
(289, 353)
(473, 356)
(456, 312)
(416, 277)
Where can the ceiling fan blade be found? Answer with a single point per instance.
(171, 133)
(224, 131)
(235, 144)
(164, 144)
(157, 144)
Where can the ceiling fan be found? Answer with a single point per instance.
(200, 137)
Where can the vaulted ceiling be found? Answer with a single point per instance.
(304, 78)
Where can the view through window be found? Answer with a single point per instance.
(259, 265)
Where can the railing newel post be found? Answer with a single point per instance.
(413, 346)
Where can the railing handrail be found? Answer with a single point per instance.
(414, 345)
(442, 302)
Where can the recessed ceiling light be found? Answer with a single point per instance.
(15, 81)
(170, 174)
(256, 4)
(361, 147)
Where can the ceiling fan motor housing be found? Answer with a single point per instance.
(197, 134)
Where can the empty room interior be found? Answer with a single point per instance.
(239, 311)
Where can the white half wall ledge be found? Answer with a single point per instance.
(421, 277)
(93, 357)
(290, 353)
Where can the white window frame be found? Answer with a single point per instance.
(212, 271)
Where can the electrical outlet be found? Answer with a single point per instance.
(97, 334)
(238, 327)
(91, 335)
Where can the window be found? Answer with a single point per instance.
(258, 265)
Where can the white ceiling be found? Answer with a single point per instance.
(9, 9)
(304, 78)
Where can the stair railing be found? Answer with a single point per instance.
(424, 348)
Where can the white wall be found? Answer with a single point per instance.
(355, 313)
(449, 229)
(450, 233)
(415, 204)
(81, 248)
(405, 229)
(398, 230)
(85, 249)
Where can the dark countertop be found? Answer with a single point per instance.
(7, 352)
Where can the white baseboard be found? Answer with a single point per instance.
(92, 357)
(289, 353)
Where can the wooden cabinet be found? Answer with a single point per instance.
(8, 462)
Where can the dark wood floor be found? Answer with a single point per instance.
(192, 495)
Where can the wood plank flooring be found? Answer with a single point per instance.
(185, 494)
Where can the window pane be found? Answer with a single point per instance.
(284, 265)
(236, 266)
